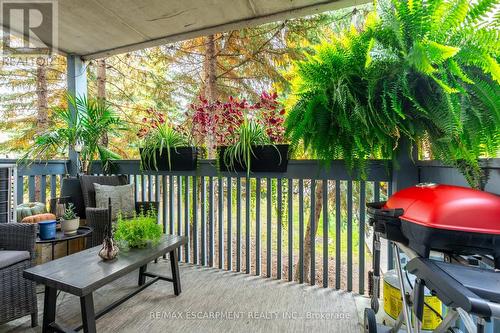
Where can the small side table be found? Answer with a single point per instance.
(61, 237)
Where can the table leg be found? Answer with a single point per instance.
(174, 265)
(67, 248)
(88, 314)
(142, 277)
(49, 309)
(52, 249)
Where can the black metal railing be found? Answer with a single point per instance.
(40, 180)
(258, 224)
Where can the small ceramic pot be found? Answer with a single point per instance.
(70, 227)
(47, 229)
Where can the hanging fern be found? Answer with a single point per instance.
(426, 70)
(330, 107)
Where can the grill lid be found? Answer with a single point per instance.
(449, 207)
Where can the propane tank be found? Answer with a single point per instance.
(393, 303)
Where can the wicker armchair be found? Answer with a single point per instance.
(97, 218)
(17, 252)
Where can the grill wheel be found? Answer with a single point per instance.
(370, 322)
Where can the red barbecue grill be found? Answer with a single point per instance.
(443, 218)
(453, 220)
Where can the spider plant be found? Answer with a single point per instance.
(249, 134)
(162, 138)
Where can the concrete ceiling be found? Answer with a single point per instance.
(100, 28)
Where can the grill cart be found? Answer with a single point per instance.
(455, 221)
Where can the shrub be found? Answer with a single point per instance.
(138, 231)
(223, 119)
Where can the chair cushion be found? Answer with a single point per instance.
(38, 218)
(87, 183)
(9, 258)
(122, 199)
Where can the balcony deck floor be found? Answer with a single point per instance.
(251, 304)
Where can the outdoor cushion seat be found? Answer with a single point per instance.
(8, 258)
(17, 252)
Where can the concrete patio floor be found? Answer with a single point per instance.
(212, 301)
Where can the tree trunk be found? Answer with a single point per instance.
(307, 237)
(210, 89)
(101, 91)
(42, 115)
(210, 68)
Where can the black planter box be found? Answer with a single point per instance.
(236, 167)
(181, 159)
(266, 158)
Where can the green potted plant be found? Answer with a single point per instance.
(165, 148)
(253, 151)
(70, 221)
(425, 73)
(79, 126)
(138, 232)
(249, 137)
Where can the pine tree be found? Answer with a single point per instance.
(30, 86)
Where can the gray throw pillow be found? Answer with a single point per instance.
(122, 199)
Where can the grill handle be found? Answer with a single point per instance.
(377, 210)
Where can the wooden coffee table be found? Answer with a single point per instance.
(84, 272)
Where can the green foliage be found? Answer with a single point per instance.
(69, 212)
(65, 134)
(160, 138)
(85, 126)
(139, 231)
(249, 134)
(97, 118)
(329, 115)
(166, 78)
(425, 70)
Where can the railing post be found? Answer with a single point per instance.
(404, 169)
(76, 71)
(404, 174)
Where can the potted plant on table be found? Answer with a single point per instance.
(164, 147)
(138, 232)
(70, 221)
